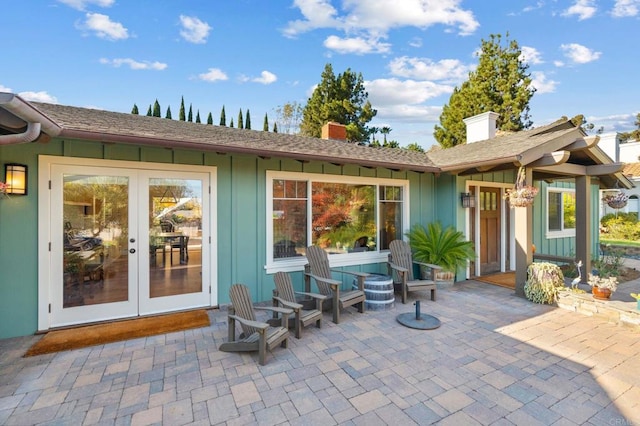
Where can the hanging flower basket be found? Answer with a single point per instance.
(521, 195)
(617, 200)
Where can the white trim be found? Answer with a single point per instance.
(45, 164)
(349, 259)
(563, 233)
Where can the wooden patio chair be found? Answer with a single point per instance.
(318, 269)
(284, 296)
(400, 267)
(255, 336)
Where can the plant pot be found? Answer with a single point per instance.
(601, 293)
(444, 278)
(617, 204)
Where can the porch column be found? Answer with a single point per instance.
(583, 223)
(524, 240)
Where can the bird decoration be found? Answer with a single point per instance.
(577, 280)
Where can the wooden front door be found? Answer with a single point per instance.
(490, 202)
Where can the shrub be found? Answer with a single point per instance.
(544, 281)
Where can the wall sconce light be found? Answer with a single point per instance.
(15, 176)
(468, 200)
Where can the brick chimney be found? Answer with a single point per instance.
(334, 131)
(481, 127)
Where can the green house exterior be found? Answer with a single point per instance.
(238, 170)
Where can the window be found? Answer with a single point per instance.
(561, 213)
(344, 215)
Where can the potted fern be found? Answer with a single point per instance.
(445, 247)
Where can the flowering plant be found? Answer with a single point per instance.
(603, 282)
(617, 200)
(635, 296)
(522, 194)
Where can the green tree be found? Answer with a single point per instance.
(500, 84)
(634, 134)
(374, 131)
(341, 99)
(210, 119)
(240, 122)
(289, 116)
(275, 127)
(223, 117)
(156, 109)
(415, 147)
(580, 121)
(231, 124)
(168, 115)
(134, 110)
(149, 111)
(190, 116)
(198, 116)
(182, 117)
(247, 121)
(385, 131)
(265, 123)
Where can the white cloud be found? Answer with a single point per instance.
(541, 84)
(133, 64)
(531, 55)
(357, 45)
(579, 54)
(266, 77)
(389, 92)
(104, 27)
(615, 122)
(212, 75)
(194, 30)
(5, 89)
(625, 8)
(538, 5)
(82, 4)
(584, 9)
(39, 97)
(375, 18)
(425, 69)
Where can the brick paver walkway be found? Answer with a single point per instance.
(496, 359)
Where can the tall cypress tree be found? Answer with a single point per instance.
(210, 119)
(223, 117)
(198, 116)
(275, 127)
(182, 114)
(190, 117)
(231, 124)
(265, 123)
(168, 113)
(240, 123)
(156, 109)
(149, 113)
(134, 110)
(247, 121)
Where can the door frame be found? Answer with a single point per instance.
(507, 225)
(45, 164)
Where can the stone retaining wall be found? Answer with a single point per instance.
(613, 311)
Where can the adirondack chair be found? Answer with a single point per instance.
(255, 336)
(284, 296)
(400, 267)
(318, 269)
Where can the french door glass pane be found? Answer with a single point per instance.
(95, 228)
(175, 236)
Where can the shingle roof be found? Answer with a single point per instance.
(632, 170)
(130, 128)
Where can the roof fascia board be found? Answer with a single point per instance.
(27, 112)
(556, 144)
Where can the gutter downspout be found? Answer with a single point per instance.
(31, 134)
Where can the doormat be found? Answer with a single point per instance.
(99, 334)
(505, 279)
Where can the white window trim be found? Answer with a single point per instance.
(348, 259)
(564, 232)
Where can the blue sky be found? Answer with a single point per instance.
(260, 55)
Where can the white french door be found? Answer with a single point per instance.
(127, 242)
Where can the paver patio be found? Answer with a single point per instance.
(496, 359)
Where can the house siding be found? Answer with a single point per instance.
(241, 221)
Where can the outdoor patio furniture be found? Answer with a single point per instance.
(255, 336)
(318, 269)
(285, 296)
(400, 267)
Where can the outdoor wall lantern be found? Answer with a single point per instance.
(15, 177)
(467, 199)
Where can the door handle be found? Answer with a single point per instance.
(132, 250)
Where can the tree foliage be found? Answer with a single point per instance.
(240, 120)
(289, 116)
(247, 121)
(168, 114)
(500, 84)
(210, 119)
(634, 134)
(341, 99)
(134, 110)
(265, 123)
(156, 109)
(182, 115)
(223, 117)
